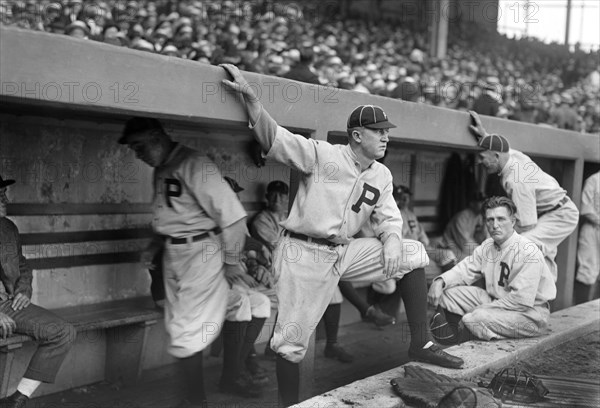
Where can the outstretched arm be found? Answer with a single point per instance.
(476, 127)
(243, 89)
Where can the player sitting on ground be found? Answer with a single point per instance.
(518, 285)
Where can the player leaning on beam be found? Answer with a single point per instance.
(546, 215)
(323, 220)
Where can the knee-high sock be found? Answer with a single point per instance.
(581, 292)
(252, 332)
(350, 293)
(233, 336)
(288, 381)
(194, 377)
(413, 288)
(331, 317)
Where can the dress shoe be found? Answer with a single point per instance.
(242, 387)
(381, 319)
(16, 400)
(435, 355)
(335, 351)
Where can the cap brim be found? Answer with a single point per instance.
(381, 125)
(5, 183)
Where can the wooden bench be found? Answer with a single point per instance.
(126, 324)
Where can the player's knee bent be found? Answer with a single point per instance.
(386, 287)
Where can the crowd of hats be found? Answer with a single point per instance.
(531, 81)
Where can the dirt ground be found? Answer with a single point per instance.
(578, 358)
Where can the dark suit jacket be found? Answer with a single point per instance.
(15, 274)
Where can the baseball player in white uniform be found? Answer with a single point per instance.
(588, 255)
(318, 249)
(518, 285)
(203, 227)
(546, 214)
(465, 231)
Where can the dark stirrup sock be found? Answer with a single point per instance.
(350, 293)
(233, 336)
(331, 317)
(252, 332)
(288, 381)
(194, 377)
(413, 288)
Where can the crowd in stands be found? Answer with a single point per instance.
(520, 79)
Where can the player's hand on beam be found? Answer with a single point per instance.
(476, 128)
(239, 83)
(392, 255)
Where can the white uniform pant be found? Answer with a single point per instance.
(551, 229)
(440, 256)
(307, 276)
(196, 295)
(488, 321)
(588, 254)
(244, 303)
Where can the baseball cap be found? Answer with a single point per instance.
(277, 186)
(233, 184)
(139, 124)
(369, 116)
(495, 143)
(5, 183)
(401, 190)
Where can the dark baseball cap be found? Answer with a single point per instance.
(233, 184)
(401, 190)
(5, 183)
(369, 116)
(495, 143)
(277, 186)
(139, 124)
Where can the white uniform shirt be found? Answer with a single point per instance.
(465, 231)
(590, 196)
(515, 274)
(412, 228)
(191, 197)
(532, 190)
(335, 199)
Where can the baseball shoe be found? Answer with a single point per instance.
(335, 351)
(436, 356)
(16, 400)
(242, 387)
(441, 330)
(381, 319)
(258, 374)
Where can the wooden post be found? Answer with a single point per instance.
(7, 356)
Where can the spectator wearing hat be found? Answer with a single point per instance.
(53, 335)
(78, 29)
(303, 70)
(564, 116)
(546, 215)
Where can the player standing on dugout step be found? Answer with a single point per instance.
(318, 249)
(202, 226)
(546, 214)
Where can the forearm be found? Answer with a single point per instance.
(23, 284)
(234, 238)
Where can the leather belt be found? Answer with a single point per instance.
(562, 202)
(302, 237)
(194, 238)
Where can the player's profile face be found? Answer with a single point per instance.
(374, 142)
(147, 148)
(489, 160)
(500, 223)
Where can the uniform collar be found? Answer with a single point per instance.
(508, 242)
(172, 154)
